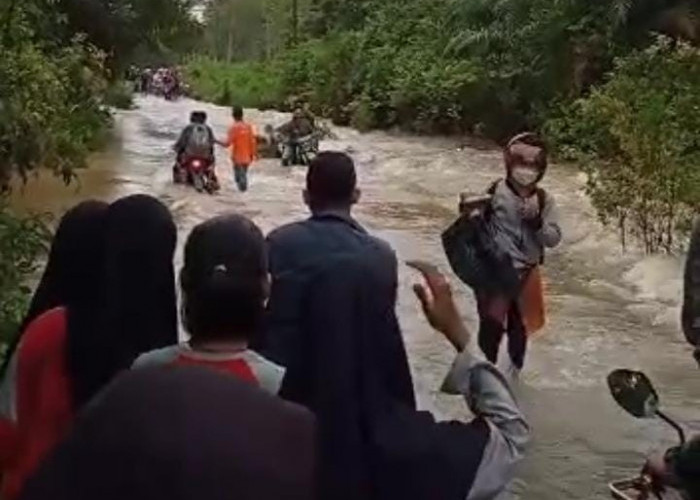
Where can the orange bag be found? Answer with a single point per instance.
(531, 302)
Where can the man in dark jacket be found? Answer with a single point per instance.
(298, 250)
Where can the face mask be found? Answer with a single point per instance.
(524, 176)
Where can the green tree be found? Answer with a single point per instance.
(642, 148)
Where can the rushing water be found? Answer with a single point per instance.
(606, 309)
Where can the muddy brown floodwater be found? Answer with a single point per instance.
(607, 309)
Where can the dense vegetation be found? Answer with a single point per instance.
(59, 58)
(613, 83)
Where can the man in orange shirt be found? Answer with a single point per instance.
(242, 143)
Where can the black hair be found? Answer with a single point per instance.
(198, 117)
(237, 113)
(331, 180)
(224, 279)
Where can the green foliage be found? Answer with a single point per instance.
(52, 114)
(23, 242)
(640, 135)
(245, 84)
(497, 67)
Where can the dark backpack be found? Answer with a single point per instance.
(199, 143)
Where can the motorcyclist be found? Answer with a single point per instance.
(294, 132)
(195, 141)
(679, 467)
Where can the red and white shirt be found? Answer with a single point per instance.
(36, 404)
(245, 364)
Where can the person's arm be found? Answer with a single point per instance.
(489, 397)
(181, 142)
(225, 143)
(253, 144)
(485, 389)
(285, 129)
(550, 233)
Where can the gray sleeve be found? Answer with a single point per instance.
(489, 396)
(550, 234)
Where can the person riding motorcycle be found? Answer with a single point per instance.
(294, 133)
(195, 141)
(678, 469)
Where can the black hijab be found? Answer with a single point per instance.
(71, 277)
(182, 434)
(138, 311)
(373, 444)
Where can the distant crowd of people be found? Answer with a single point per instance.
(164, 81)
(293, 382)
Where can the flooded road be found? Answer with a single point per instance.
(606, 309)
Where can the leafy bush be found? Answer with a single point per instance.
(52, 112)
(640, 135)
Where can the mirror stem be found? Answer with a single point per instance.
(672, 423)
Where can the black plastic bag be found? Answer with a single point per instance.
(477, 260)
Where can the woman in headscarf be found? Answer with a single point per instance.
(51, 362)
(139, 308)
(372, 444)
(186, 433)
(69, 256)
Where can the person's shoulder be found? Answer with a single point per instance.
(268, 373)
(49, 327)
(157, 357)
(545, 197)
(287, 231)
(381, 245)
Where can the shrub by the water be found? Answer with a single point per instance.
(638, 136)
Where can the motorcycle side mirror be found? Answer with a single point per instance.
(634, 392)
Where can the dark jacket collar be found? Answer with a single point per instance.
(337, 215)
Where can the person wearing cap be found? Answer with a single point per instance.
(522, 221)
(225, 287)
(298, 250)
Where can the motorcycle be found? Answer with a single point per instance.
(198, 173)
(634, 392)
(298, 151)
